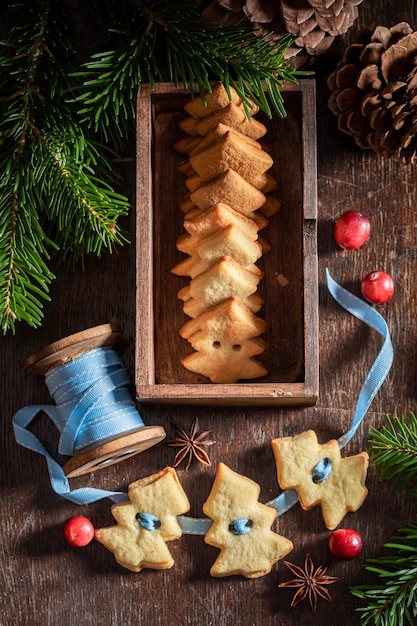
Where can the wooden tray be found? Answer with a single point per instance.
(290, 309)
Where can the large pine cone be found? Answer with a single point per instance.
(374, 91)
(315, 23)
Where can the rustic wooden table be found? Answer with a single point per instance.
(45, 582)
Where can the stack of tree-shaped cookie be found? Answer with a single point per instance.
(227, 203)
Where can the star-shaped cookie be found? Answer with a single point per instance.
(146, 522)
(320, 475)
(241, 527)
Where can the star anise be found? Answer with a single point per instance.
(191, 444)
(312, 583)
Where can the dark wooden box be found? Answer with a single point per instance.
(290, 283)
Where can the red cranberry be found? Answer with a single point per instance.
(78, 531)
(345, 543)
(351, 230)
(377, 287)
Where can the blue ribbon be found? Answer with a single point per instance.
(373, 381)
(92, 406)
(382, 364)
(148, 521)
(240, 526)
(376, 376)
(82, 403)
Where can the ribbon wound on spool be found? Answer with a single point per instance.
(91, 396)
(92, 405)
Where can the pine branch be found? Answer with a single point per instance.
(166, 40)
(57, 192)
(56, 186)
(83, 209)
(393, 452)
(392, 602)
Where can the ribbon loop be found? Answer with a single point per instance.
(382, 364)
(148, 521)
(241, 526)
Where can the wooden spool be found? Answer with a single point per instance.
(104, 453)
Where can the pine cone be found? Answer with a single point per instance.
(315, 23)
(374, 91)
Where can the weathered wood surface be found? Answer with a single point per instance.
(44, 582)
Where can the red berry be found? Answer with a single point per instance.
(351, 230)
(377, 287)
(345, 543)
(78, 531)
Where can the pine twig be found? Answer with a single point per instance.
(167, 40)
(392, 602)
(393, 452)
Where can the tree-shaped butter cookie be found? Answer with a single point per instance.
(223, 362)
(320, 475)
(241, 527)
(146, 522)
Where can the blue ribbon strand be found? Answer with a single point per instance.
(382, 364)
(240, 526)
(373, 381)
(92, 405)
